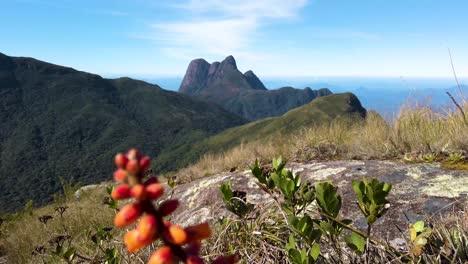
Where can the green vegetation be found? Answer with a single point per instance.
(318, 113)
(61, 123)
(317, 234)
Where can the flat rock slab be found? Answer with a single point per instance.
(419, 191)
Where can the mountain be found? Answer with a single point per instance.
(318, 112)
(57, 122)
(241, 94)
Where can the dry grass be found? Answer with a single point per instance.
(415, 130)
(21, 237)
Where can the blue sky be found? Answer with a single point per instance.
(275, 38)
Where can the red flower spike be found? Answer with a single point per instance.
(144, 163)
(194, 260)
(151, 180)
(133, 167)
(168, 207)
(198, 232)
(134, 154)
(177, 235)
(120, 175)
(138, 192)
(127, 215)
(147, 228)
(133, 243)
(154, 191)
(180, 244)
(163, 255)
(121, 160)
(121, 192)
(232, 259)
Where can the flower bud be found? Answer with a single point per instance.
(134, 154)
(154, 191)
(147, 227)
(132, 241)
(121, 160)
(121, 192)
(133, 167)
(176, 234)
(127, 215)
(163, 255)
(138, 192)
(194, 260)
(144, 163)
(198, 232)
(168, 207)
(151, 180)
(120, 175)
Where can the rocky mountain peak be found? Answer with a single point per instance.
(229, 63)
(195, 76)
(254, 81)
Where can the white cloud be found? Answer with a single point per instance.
(257, 8)
(221, 27)
(219, 37)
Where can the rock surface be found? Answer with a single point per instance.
(419, 191)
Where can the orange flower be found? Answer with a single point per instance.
(147, 227)
(134, 154)
(133, 242)
(121, 160)
(120, 175)
(163, 255)
(177, 235)
(154, 191)
(144, 163)
(133, 167)
(128, 214)
(121, 192)
(138, 192)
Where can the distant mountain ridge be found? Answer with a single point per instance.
(57, 122)
(321, 111)
(242, 94)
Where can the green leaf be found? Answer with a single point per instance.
(226, 190)
(69, 254)
(356, 242)
(418, 226)
(315, 251)
(327, 198)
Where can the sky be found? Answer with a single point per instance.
(274, 38)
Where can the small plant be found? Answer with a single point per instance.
(109, 201)
(297, 195)
(419, 235)
(372, 201)
(235, 201)
(455, 158)
(179, 244)
(429, 158)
